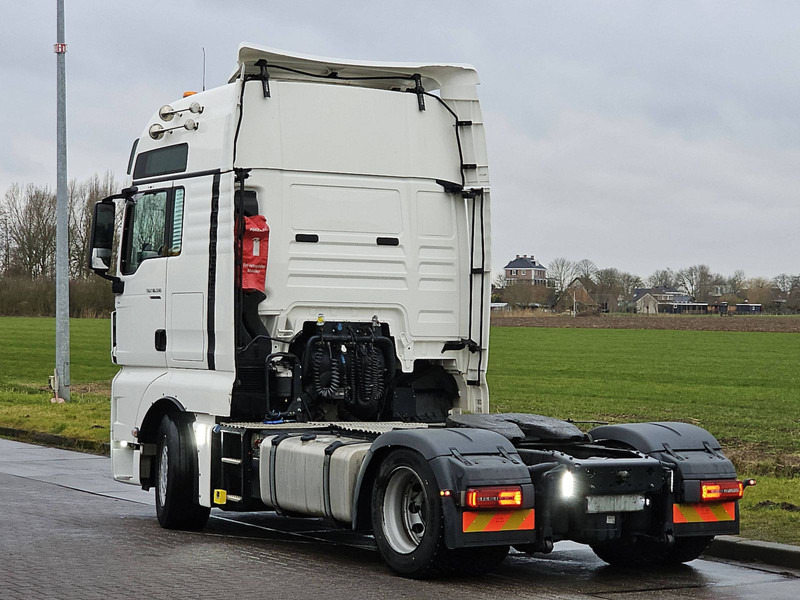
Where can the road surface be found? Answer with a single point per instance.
(67, 530)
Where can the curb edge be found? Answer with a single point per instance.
(57, 441)
(736, 548)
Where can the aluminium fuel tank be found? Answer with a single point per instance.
(311, 474)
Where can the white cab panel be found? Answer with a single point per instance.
(140, 313)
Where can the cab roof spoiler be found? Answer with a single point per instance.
(454, 80)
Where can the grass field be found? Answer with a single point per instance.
(27, 358)
(743, 387)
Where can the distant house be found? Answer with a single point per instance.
(661, 293)
(748, 309)
(667, 300)
(579, 297)
(646, 304)
(525, 269)
(683, 308)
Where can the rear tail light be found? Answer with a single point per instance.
(714, 491)
(495, 497)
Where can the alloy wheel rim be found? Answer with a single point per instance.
(163, 473)
(404, 510)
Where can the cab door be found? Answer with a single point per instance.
(141, 336)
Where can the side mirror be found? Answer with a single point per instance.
(102, 241)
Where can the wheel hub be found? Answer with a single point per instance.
(404, 517)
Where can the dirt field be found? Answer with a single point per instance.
(694, 323)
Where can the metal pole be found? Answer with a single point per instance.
(62, 224)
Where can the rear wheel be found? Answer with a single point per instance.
(175, 472)
(408, 523)
(642, 552)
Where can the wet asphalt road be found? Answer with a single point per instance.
(67, 530)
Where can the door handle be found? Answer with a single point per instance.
(161, 340)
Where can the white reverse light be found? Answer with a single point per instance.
(201, 434)
(567, 485)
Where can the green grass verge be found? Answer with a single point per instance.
(27, 358)
(769, 511)
(743, 387)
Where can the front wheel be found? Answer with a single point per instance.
(643, 552)
(408, 523)
(175, 472)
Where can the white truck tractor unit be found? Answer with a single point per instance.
(302, 325)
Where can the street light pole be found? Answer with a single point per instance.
(62, 223)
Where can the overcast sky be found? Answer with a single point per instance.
(642, 135)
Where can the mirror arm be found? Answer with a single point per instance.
(117, 285)
(125, 194)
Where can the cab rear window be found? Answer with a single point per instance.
(162, 161)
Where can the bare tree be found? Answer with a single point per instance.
(561, 271)
(736, 282)
(519, 293)
(608, 289)
(629, 282)
(783, 282)
(586, 268)
(607, 278)
(499, 281)
(793, 299)
(759, 292)
(5, 240)
(688, 280)
(31, 230)
(82, 198)
(696, 281)
(662, 278)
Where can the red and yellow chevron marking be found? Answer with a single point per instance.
(502, 520)
(704, 513)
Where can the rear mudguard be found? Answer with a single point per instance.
(693, 454)
(459, 458)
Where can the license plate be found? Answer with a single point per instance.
(613, 504)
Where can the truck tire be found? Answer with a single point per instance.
(408, 524)
(642, 552)
(175, 504)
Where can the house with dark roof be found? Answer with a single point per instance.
(663, 299)
(525, 269)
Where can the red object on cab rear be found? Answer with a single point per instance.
(255, 249)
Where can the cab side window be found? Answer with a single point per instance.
(153, 228)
